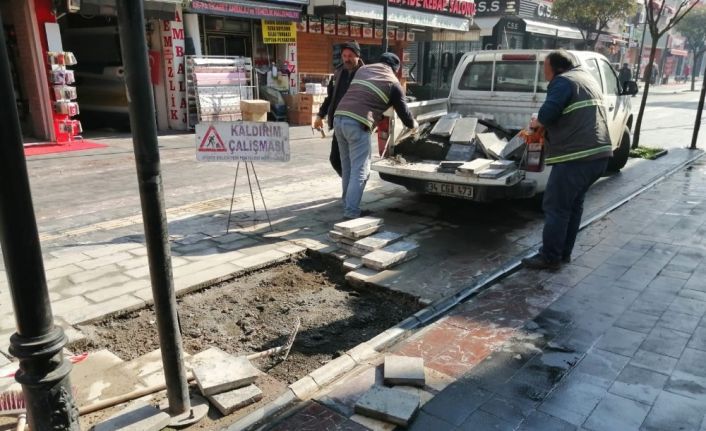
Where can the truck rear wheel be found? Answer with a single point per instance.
(621, 154)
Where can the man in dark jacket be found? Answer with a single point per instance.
(374, 89)
(337, 87)
(577, 147)
(625, 75)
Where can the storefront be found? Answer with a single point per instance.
(429, 38)
(523, 24)
(238, 28)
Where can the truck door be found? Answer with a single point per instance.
(614, 108)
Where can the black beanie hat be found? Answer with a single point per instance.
(353, 46)
(391, 60)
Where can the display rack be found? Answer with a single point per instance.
(66, 128)
(215, 85)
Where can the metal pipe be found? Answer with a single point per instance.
(131, 25)
(38, 344)
(385, 42)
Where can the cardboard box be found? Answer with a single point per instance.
(260, 117)
(254, 106)
(310, 109)
(297, 118)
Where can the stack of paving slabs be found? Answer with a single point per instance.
(391, 255)
(493, 146)
(348, 232)
(497, 169)
(395, 405)
(227, 381)
(446, 124)
(473, 168)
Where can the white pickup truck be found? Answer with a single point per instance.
(507, 87)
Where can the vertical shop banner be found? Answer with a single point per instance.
(173, 47)
(291, 64)
(279, 32)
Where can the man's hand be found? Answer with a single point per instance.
(534, 124)
(318, 123)
(415, 128)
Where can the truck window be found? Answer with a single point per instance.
(516, 76)
(592, 68)
(611, 80)
(477, 76)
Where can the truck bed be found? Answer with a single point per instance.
(427, 171)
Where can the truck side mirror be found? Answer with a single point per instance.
(629, 88)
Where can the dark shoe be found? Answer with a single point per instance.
(539, 262)
(566, 259)
(366, 213)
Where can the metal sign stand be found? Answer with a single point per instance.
(252, 195)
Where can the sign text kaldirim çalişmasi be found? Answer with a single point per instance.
(242, 141)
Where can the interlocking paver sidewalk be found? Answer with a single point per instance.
(614, 341)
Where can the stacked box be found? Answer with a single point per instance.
(255, 110)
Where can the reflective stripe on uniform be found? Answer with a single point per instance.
(577, 155)
(581, 104)
(356, 117)
(372, 87)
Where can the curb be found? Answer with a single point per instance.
(304, 388)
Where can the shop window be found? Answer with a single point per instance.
(214, 23)
(516, 76)
(477, 77)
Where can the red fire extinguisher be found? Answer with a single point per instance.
(535, 149)
(383, 134)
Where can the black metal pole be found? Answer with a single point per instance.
(38, 344)
(131, 25)
(385, 43)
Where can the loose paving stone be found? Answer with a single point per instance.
(222, 372)
(349, 250)
(352, 264)
(139, 416)
(404, 370)
(390, 405)
(360, 276)
(358, 225)
(228, 402)
(617, 413)
(391, 255)
(341, 238)
(639, 384)
(377, 241)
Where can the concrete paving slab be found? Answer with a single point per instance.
(228, 402)
(360, 276)
(223, 372)
(391, 255)
(138, 416)
(377, 241)
(404, 370)
(358, 225)
(352, 264)
(390, 405)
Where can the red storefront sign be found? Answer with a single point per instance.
(451, 7)
(259, 12)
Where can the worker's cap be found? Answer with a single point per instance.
(391, 60)
(353, 46)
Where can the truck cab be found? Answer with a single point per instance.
(504, 88)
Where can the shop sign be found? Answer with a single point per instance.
(279, 31)
(513, 26)
(242, 141)
(464, 8)
(495, 7)
(173, 47)
(242, 10)
(544, 10)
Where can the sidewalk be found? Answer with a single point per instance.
(614, 341)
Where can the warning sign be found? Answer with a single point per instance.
(279, 32)
(224, 141)
(212, 142)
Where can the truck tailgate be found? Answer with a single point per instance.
(427, 171)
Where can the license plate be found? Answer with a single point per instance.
(445, 189)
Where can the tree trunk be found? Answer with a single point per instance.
(648, 75)
(699, 110)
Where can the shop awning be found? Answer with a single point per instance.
(564, 32)
(679, 52)
(157, 9)
(360, 9)
(247, 9)
(486, 24)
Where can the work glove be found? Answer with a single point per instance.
(318, 123)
